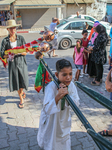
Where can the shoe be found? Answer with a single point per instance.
(91, 76)
(104, 133)
(101, 80)
(81, 76)
(54, 55)
(85, 74)
(21, 105)
(95, 83)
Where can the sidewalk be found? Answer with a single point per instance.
(19, 127)
(4, 32)
(32, 30)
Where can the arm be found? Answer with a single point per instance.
(51, 105)
(3, 48)
(58, 22)
(111, 33)
(87, 51)
(61, 93)
(98, 43)
(23, 42)
(74, 56)
(73, 93)
(84, 55)
(108, 83)
(18, 16)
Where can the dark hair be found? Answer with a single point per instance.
(78, 45)
(84, 31)
(101, 29)
(62, 63)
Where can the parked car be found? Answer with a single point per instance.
(69, 30)
(87, 17)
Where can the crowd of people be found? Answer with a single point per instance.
(55, 119)
(8, 15)
(95, 46)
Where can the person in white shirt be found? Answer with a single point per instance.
(11, 15)
(54, 42)
(55, 119)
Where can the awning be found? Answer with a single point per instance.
(5, 4)
(109, 1)
(32, 4)
(79, 1)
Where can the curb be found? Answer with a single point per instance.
(28, 31)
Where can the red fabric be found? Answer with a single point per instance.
(92, 31)
(85, 44)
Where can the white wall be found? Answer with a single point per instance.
(97, 9)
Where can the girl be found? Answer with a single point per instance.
(85, 42)
(55, 120)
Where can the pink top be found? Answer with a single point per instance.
(79, 56)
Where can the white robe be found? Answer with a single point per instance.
(55, 124)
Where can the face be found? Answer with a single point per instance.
(77, 13)
(12, 30)
(65, 75)
(85, 35)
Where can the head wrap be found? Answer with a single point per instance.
(96, 24)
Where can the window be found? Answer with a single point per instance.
(76, 26)
(89, 25)
(62, 23)
(68, 27)
(89, 18)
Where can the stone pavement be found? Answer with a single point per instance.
(19, 127)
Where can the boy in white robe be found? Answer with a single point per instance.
(55, 123)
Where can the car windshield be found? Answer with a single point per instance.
(62, 23)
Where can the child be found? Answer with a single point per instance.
(55, 121)
(85, 42)
(78, 50)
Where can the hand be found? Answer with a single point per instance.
(63, 90)
(90, 48)
(11, 56)
(85, 57)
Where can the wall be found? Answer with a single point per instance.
(97, 9)
(71, 9)
(37, 18)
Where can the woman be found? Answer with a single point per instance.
(18, 74)
(91, 70)
(98, 55)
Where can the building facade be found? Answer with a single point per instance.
(95, 8)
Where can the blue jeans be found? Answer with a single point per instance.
(111, 99)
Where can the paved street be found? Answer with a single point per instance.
(19, 127)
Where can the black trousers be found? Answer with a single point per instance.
(99, 72)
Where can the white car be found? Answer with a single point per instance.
(69, 30)
(87, 17)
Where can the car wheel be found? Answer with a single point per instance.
(65, 43)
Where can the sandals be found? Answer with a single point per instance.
(55, 56)
(21, 105)
(104, 133)
(94, 83)
(24, 95)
